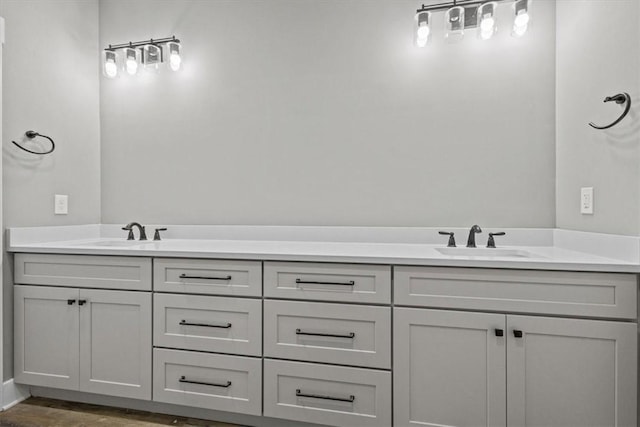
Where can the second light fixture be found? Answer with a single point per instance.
(461, 15)
(148, 54)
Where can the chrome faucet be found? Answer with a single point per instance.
(471, 241)
(129, 228)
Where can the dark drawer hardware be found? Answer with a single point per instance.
(225, 384)
(321, 396)
(321, 334)
(82, 302)
(499, 332)
(186, 276)
(71, 301)
(206, 325)
(310, 282)
(517, 333)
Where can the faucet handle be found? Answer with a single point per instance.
(130, 230)
(156, 235)
(491, 243)
(452, 240)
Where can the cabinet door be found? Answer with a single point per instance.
(449, 368)
(570, 372)
(115, 343)
(46, 336)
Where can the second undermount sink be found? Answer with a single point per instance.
(485, 252)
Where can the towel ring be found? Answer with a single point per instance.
(620, 98)
(31, 135)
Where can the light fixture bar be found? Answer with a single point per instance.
(142, 43)
(448, 5)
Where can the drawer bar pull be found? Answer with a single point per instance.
(205, 325)
(351, 398)
(186, 276)
(310, 282)
(320, 334)
(225, 384)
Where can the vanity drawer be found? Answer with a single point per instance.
(217, 324)
(210, 381)
(328, 282)
(605, 295)
(331, 333)
(328, 395)
(83, 271)
(204, 276)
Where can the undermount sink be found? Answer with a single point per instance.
(114, 243)
(485, 252)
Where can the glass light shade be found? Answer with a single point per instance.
(131, 61)
(487, 20)
(175, 55)
(522, 9)
(110, 67)
(454, 24)
(152, 57)
(422, 28)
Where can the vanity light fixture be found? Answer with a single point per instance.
(464, 14)
(148, 53)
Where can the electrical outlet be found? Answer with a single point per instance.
(61, 204)
(586, 200)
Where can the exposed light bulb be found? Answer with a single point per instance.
(522, 17)
(522, 20)
(131, 61)
(454, 24)
(487, 24)
(423, 32)
(423, 28)
(110, 69)
(132, 66)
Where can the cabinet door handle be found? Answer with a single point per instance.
(206, 325)
(311, 282)
(322, 334)
(186, 276)
(71, 301)
(517, 333)
(82, 302)
(351, 398)
(499, 332)
(225, 384)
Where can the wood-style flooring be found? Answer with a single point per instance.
(41, 412)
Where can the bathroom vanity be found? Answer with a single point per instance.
(298, 336)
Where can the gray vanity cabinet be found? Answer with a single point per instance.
(462, 368)
(97, 341)
(81, 338)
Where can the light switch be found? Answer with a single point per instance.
(61, 204)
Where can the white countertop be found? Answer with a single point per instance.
(381, 246)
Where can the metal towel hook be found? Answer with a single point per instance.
(620, 98)
(31, 134)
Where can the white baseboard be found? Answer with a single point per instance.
(13, 393)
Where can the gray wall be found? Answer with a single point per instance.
(50, 84)
(323, 112)
(601, 61)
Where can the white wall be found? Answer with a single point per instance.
(322, 112)
(50, 83)
(598, 47)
